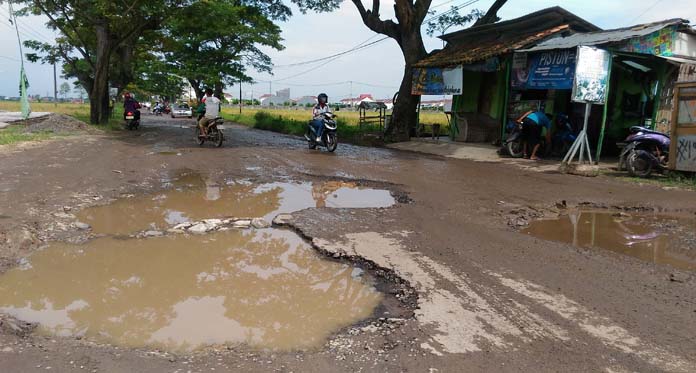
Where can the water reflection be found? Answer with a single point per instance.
(263, 288)
(193, 197)
(651, 238)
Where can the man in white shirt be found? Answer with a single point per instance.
(212, 111)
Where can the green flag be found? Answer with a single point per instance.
(24, 99)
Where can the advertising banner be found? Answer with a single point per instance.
(544, 70)
(591, 75)
(437, 81)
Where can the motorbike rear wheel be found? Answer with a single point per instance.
(515, 148)
(331, 142)
(638, 166)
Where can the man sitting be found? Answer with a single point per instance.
(212, 111)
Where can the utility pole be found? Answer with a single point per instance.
(351, 94)
(240, 97)
(55, 86)
(270, 88)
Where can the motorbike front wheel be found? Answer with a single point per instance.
(331, 142)
(638, 165)
(515, 148)
(199, 140)
(218, 137)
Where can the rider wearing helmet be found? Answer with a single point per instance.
(130, 105)
(320, 108)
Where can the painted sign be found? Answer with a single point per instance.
(658, 43)
(545, 70)
(591, 75)
(686, 153)
(437, 81)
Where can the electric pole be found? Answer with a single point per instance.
(240, 97)
(55, 86)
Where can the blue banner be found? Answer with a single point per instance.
(553, 69)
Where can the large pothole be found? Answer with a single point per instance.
(653, 238)
(265, 288)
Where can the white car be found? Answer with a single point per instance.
(182, 110)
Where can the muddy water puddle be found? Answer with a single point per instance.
(263, 288)
(653, 238)
(191, 197)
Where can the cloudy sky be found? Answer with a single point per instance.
(377, 69)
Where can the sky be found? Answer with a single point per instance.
(377, 70)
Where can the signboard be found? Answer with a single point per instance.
(658, 43)
(437, 81)
(544, 70)
(591, 75)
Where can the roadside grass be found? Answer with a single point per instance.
(672, 179)
(294, 122)
(14, 134)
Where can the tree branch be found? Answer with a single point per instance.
(373, 22)
(83, 48)
(491, 15)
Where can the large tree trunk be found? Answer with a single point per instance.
(404, 116)
(99, 94)
(197, 89)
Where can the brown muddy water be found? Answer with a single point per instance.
(266, 289)
(191, 197)
(652, 238)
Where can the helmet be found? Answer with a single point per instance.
(127, 95)
(323, 98)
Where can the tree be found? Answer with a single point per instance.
(64, 89)
(450, 18)
(406, 31)
(94, 33)
(218, 54)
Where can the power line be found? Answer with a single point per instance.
(34, 33)
(357, 47)
(645, 11)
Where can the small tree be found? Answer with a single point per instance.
(64, 90)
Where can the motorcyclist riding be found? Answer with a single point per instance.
(320, 108)
(212, 110)
(130, 105)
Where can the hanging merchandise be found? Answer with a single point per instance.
(23, 80)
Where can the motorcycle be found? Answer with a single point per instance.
(131, 122)
(214, 134)
(328, 137)
(563, 139)
(514, 144)
(157, 110)
(644, 151)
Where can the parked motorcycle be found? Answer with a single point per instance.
(565, 136)
(644, 151)
(514, 146)
(131, 122)
(214, 134)
(329, 139)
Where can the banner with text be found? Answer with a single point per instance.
(544, 70)
(437, 81)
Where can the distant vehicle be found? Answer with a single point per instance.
(182, 110)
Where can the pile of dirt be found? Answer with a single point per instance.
(56, 123)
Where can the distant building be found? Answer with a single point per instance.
(280, 98)
(306, 100)
(365, 97)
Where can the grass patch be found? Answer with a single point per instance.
(672, 179)
(14, 134)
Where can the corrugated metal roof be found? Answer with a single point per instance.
(603, 37)
(454, 55)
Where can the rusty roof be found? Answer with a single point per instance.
(467, 53)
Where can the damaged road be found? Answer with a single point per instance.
(468, 290)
